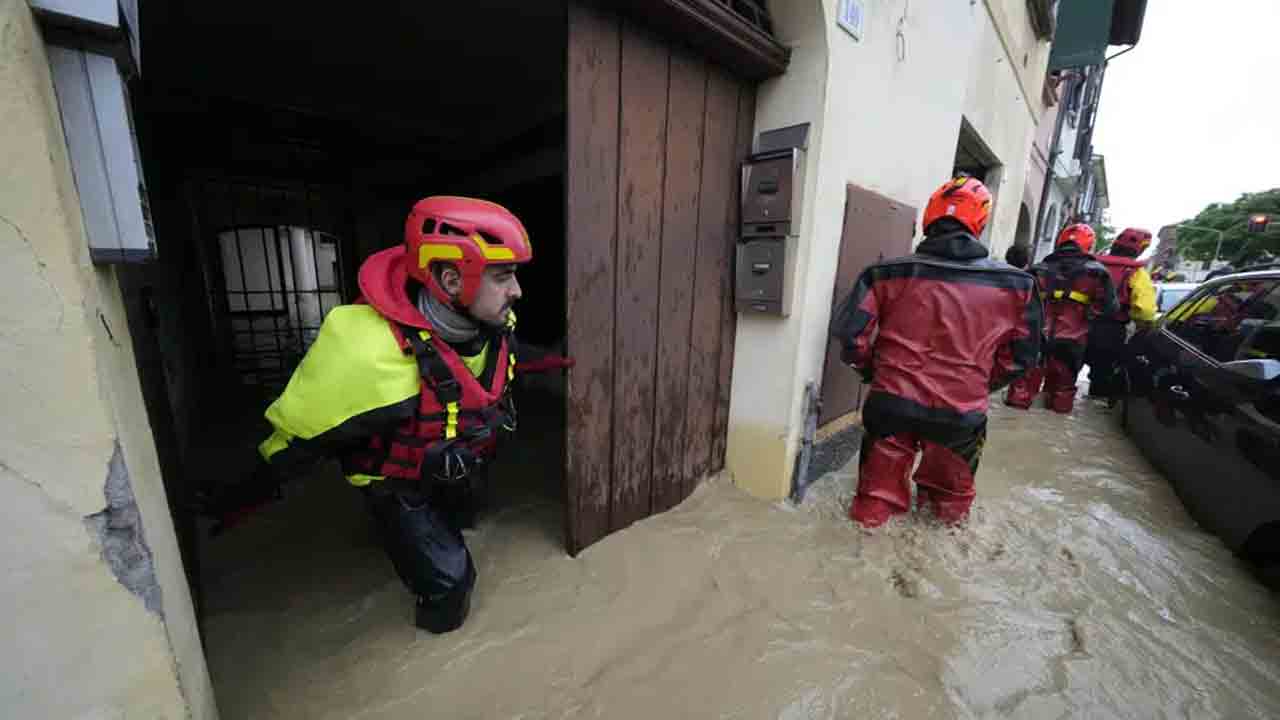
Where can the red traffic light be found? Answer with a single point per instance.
(1258, 223)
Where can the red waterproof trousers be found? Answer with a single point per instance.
(944, 479)
(1059, 379)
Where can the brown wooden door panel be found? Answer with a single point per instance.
(641, 138)
(875, 227)
(592, 193)
(681, 187)
(711, 266)
(655, 138)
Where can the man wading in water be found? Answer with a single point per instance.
(934, 334)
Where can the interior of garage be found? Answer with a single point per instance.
(283, 143)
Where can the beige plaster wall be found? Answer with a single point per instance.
(97, 612)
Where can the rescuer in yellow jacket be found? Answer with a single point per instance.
(1109, 333)
(411, 389)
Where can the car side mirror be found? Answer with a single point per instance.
(1264, 370)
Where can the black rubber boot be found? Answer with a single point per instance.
(446, 612)
(444, 615)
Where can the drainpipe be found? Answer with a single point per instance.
(1084, 146)
(1055, 149)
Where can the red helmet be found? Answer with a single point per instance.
(1080, 234)
(964, 199)
(1135, 239)
(469, 233)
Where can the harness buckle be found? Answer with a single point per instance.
(456, 465)
(447, 390)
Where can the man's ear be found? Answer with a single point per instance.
(450, 279)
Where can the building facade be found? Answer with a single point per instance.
(922, 91)
(1068, 179)
(261, 181)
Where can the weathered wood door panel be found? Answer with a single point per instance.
(655, 138)
(642, 134)
(712, 264)
(875, 227)
(680, 202)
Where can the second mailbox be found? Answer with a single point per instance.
(771, 206)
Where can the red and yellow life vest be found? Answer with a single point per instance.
(458, 418)
(1121, 269)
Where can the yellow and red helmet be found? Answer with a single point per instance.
(964, 199)
(469, 233)
(1080, 234)
(1135, 240)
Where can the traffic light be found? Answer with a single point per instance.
(1258, 223)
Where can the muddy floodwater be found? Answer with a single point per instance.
(1080, 588)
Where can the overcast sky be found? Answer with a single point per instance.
(1192, 115)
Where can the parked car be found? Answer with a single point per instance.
(1204, 407)
(1170, 294)
(1262, 264)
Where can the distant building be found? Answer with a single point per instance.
(1066, 179)
(1166, 261)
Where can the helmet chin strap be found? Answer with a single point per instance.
(453, 324)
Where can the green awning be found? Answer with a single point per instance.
(1084, 31)
(1087, 27)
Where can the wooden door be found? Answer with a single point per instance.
(656, 135)
(875, 227)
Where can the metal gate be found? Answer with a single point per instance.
(275, 265)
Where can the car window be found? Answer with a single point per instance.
(1223, 321)
(1169, 298)
(1262, 341)
(1184, 309)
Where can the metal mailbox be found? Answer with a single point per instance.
(760, 281)
(772, 203)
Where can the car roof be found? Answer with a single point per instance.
(1255, 275)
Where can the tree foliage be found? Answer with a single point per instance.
(1238, 245)
(1106, 234)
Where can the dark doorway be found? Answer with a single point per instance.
(283, 144)
(1022, 234)
(973, 157)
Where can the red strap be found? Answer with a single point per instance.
(237, 517)
(546, 363)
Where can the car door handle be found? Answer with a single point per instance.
(1179, 392)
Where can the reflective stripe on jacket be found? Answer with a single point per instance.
(1075, 288)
